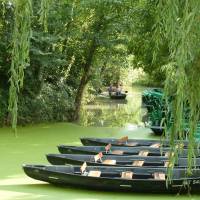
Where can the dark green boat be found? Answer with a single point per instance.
(118, 150)
(129, 142)
(157, 130)
(145, 180)
(118, 96)
(112, 160)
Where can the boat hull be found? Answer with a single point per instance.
(119, 97)
(65, 176)
(157, 130)
(116, 161)
(118, 150)
(129, 143)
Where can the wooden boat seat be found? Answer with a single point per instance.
(166, 164)
(179, 146)
(123, 139)
(94, 173)
(159, 176)
(132, 144)
(98, 157)
(118, 152)
(107, 148)
(83, 167)
(167, 154)
(138, 163)
(109, 162)
(155, 145)
(127, 175)
(143, 153)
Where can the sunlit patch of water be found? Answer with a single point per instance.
(131, 127)
(10, 195)
(106, 112)
(16, 180)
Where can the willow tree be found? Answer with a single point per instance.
(20, 52)
(20, 47)
(177, 23)
(44, 11)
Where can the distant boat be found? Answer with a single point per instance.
(118, 96)
(142, 180)
(158, 130)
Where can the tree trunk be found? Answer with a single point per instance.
(84, 80)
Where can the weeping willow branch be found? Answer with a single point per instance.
(177, 24)
(3, 3)
(20, 53)
(43, 12)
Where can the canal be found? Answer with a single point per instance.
(102, 118)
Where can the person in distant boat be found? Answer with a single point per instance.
(110, 90)
(118, 90)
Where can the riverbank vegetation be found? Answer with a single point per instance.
(50, 56)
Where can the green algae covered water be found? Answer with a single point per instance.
(33, 142)
(31, 145)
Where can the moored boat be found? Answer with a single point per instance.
(118, 96)
(146, 180)
(112, 160)
(119, 150)
(157, 130)
(129, 142)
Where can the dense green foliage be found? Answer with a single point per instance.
(20, 53)
(177, 24)
(73, 43)
(142, 42)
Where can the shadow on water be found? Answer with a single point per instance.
(107, 112)
(50, 192)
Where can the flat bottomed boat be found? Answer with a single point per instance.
(120, 150)
(129, 142)
(145, 180)
(112, 160)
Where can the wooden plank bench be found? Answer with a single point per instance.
(109, 162)
(132, 144)
(167, 154)
(143, 153)
(155, 145)
(94, 173)
(127, 175)
(117, 152)
(122, 140)
(138, 163)
(159, 176)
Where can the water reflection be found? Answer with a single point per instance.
(114, 113)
